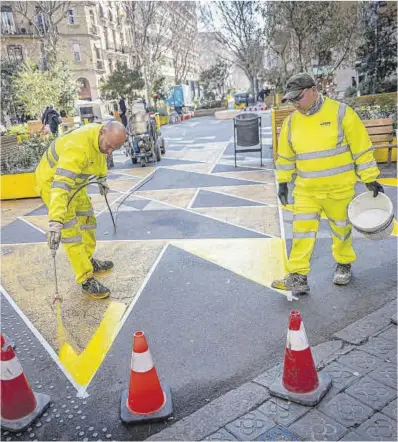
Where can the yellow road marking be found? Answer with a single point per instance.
(389, 181)
(83, 367)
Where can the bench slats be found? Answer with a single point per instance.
(379, 130)
(378, 138)
(379, 122)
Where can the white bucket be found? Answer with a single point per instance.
(373, 217)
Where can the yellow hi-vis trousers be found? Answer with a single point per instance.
(78, 234)
(306, 215)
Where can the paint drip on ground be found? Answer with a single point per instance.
(62, 334)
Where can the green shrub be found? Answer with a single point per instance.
(28, 156)
(18, 129)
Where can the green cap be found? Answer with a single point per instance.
(296, 84)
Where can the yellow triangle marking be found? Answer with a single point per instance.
(175, 197)
(389, 181)
(263, 219)
(83, 366)
(257, 259)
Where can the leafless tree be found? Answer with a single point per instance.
(237, 26)
(183, 38)
(310, 36)
(44, 16)
(150, 34)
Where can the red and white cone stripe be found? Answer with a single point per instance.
(297, 339)
(10, 369)
(141, 362)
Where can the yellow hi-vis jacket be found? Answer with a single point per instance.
(326, 150)
(68, 163)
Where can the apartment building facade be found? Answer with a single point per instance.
(93, 37)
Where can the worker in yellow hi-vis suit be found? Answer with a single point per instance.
(67, 164)
(326, 145)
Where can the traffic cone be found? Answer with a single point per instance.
(20, 406)
(146, 399)
(300, 381)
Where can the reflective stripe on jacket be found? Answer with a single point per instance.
(327, 150)
(69, 162)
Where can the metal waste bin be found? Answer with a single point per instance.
(247, 134)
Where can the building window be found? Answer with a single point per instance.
(76, 52)
(71, 17)
(101, 11)
(110, 16)
(40, 20)
(114, 39)
(110, 64)
(98, 53)
(7, 20)
(15, 53)
(92, 17)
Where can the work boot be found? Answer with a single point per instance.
(95, 289)
(342, 274)
(101, 266)
(293, 282)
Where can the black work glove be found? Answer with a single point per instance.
(283, 192)
(375, 187)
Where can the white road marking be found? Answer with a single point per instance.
(193, 198)
(31, 225)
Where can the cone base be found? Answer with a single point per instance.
(309, 399)
(43, 402)
(128, 417)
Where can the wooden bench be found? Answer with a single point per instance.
(278, 117)
(381, 134)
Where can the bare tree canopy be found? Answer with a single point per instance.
(307, 34)
(237, 25)
(44, 17)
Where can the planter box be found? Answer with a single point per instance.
(18, 186)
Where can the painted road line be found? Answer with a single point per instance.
(389, 181)
(43, 342)
(193, 198)
(240, 197)
(221, 155)
(208, 216)
(32, 225)
(82, 367)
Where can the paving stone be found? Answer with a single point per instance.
(353, 435)
(386, 374)
(317, 426)
(216, 414)
(383, 348)
(390, 334)
(270, 376)
(372, 393)
(327, 352)
(250, 426)
(346, 410)
(360, 330)
(341, 376)
(391, 410)
(360, 361)
(279, 433)
(282, 411)
(221, 434)
(378, 427)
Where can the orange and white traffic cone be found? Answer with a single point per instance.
(300, 381)
(20, 406)
(146, 399)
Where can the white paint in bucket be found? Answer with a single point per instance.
(371, 218)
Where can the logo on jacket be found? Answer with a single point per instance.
(325, 123)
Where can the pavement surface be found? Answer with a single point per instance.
(196, 248)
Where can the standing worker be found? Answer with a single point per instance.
(53, 119)
(326, 144)
(67, 164)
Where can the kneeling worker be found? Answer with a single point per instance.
(326, 145)
(67, 164)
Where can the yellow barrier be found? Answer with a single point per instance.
(18, 186)
(163, 120)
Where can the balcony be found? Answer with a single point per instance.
(100, 65)
(11, 31)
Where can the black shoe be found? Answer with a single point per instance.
(95, 289)
(292, 282)
(342, 274)
(101, 266)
